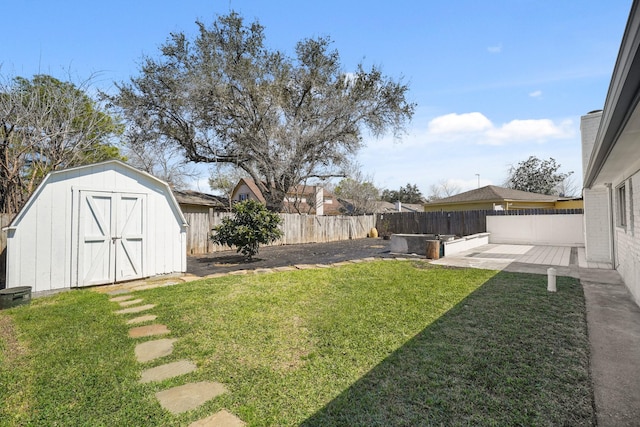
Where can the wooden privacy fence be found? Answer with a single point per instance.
(460, 223)
(317, 229)
(296, 228)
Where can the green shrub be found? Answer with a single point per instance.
(251, 225)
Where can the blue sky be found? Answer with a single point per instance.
(495, 81)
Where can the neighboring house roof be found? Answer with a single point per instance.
(303, 191)
(492, 193)
(413, 207)
(382, 206)
(190, 197)
(388, 207)
(252, 186)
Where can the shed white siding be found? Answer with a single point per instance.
(43, 241)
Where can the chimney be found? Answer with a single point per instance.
(399, 206)
(589, 125)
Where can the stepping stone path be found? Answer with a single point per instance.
(121, 298)
(219, 419)
(148, 331)
(169, 370)
(176, 399)
(142, 319)
(136, 309)
(151, 350)
(130, 302)
(189, 396)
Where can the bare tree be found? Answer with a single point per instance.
(568, 187)
(162, 160)
(225, 180)
(359, 191)
(443, 189)
(226, 98)
(46, 125)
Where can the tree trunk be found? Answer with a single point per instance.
(433, 249)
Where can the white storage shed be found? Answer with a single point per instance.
(93, 225)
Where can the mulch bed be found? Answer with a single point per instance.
(282, 256)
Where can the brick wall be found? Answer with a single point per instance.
(597, 224)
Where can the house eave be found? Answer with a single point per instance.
(621, 101)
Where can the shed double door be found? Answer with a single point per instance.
(111, 236)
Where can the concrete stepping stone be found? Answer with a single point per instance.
(136, 309)
(340, 263)
(189, 396)
(239, 272)
(214, 275)
(155, 349)
(323, 266)
(121, 298)
(118, 292)
(141, 319)
(305, 266)
(286, 268)
(155, 285)
(169, 370)
(148, 330)
(130, 302)
(222, 418)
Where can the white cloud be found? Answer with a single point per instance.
(476, 128)
(540, 130)
(495, 49)
(536, 94)
(459, 123)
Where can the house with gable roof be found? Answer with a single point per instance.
(492, 197)
(302, 199)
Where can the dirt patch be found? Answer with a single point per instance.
(13, 359)
(10, 347)
(289, 255)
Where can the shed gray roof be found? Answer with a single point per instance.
(190, 197)
(492, 193)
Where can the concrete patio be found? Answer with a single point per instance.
(500, 257)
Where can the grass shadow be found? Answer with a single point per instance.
(509, 354)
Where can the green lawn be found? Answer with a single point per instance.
(383, 343)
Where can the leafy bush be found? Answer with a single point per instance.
(251, 225)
